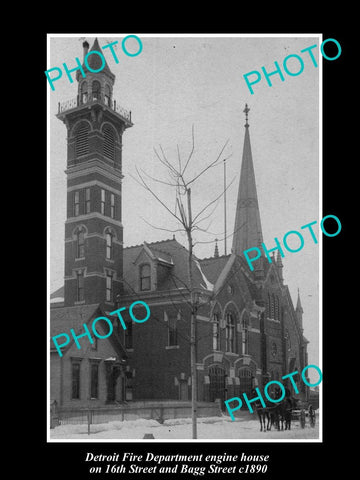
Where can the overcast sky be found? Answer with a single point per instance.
(177, 82)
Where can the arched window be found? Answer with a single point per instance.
(216, 330)
(145, 277)
(109, 142)
(107, 97)
(230, 332)
(80, 243)
(245, 334)
(96, 90)
(109, 236)
(82, 139)
(84, 92)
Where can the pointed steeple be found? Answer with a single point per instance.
(299, 311)
(279, 266)
(247, 229)
(298, 304)
(216, 251)
(96, 62)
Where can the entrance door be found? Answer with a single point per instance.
(184, 390)
(217, 383)
(246, 385)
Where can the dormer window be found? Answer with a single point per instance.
(145, 277)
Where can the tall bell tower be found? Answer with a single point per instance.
(93, 229)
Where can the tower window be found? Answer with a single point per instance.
(109, 286)
(109, 245)
(87, 200)
(84, 92)
(80, 243)
(96, 90)
(102, 202)
(112, 205)
(230, 332)
(80, 285)
(82, 139)
(145, 277)
(107, 95)
(76, 203)
(109, 142)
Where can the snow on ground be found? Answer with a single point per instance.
(208, 428)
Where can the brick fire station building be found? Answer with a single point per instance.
(248, 330)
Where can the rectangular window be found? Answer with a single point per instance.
(87, 200)
(80, 285)
(172, 331)
(112, 205)
(94, 380)
(76, 203)
(109, 286)
(102, 202)
(75, 379)
(145, 277)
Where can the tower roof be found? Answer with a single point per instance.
(95, 61)
(298, 303)
(247, 229)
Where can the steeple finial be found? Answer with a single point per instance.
(246, 111)
(216, 252)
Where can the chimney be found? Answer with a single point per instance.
(86, 48)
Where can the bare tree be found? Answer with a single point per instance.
(188, 222)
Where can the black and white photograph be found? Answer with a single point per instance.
(185, 234)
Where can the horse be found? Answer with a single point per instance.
(280, 413)
(286, 407)
(264, 416)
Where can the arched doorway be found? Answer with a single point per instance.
(217, 383)
(246, 381)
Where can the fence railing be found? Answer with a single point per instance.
(159, 411)
(90, 100)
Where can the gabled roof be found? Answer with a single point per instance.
(62, 319)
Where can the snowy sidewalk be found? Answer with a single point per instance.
(208, 429)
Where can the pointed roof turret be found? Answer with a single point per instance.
(247, 229)
(216, 251)
(95, 61)
(298, 304)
